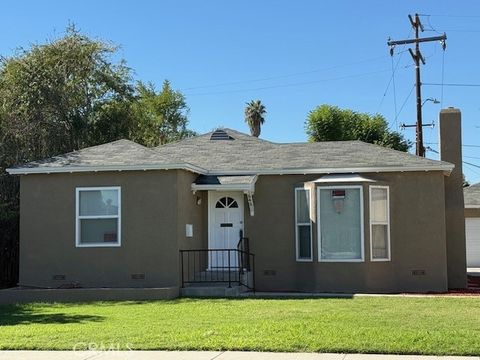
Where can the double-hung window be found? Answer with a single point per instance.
(98, 217)
(303, 225)
(379, 223)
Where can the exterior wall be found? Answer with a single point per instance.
(149, 231)
(156, 206)
(417, 229)
(189, 212)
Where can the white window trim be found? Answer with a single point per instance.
(78, 217)
(297, 248)
(362, 230)
(388, 258)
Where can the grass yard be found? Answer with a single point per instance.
(433, 325)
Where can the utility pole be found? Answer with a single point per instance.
(417, 58)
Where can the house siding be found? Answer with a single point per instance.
(156, 206)
(418, 241)
(149, 233)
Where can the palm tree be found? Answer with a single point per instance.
(254, 112)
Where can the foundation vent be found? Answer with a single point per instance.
(58, 277)
(138, 276)
(269, 272)
(418, 272)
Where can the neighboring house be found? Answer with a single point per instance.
(472, 224)
(325, 217)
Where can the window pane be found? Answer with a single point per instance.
(303, 206)
(98, 202)
(98, 231)
(379, 205)
(379, 241)
(340, 225)
(304, 241)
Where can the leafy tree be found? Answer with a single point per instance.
(159, 117)
(50, 95)
(330, 123)
(254, 116)
(68, 94)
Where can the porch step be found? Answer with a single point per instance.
(212, 290)
(214, 275)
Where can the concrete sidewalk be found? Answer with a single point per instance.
(205, 355)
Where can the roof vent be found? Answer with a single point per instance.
(220, 135)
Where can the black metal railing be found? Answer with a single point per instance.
(243, 248)
(228, 266)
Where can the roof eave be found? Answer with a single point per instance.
(447, 169)
(73, 169)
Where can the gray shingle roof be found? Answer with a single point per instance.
(244, 154)
(472, 195)
(121, 152)
(250, 154)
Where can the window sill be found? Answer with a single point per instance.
(380, 260)
(94, 245)
(341, 260)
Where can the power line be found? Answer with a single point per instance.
(472, 168)
(451, 16)
(393, 73)
(289, 85)
(469, 163)
(456, 30)
(443, 82)
(282, 76)
(404, 102)
(451, 84)
(394, 95)
(465, 145)
(464, 162)
(418, 59)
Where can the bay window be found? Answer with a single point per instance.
(340, 223)
(303, 225)
(379, 223)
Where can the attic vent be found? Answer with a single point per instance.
(220, 135)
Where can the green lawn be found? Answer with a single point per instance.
(366, 324)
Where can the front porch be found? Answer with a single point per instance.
(218, 272)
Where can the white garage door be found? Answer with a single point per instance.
(472, 226)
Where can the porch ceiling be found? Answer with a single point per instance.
(245, 183)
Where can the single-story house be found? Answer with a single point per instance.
(227, 207)
(472, 224)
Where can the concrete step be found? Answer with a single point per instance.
(212, 291)
(214, 275)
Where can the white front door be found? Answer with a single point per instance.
(225, 224)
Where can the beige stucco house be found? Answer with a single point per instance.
(232, 209)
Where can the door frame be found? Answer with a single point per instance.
(241, 205)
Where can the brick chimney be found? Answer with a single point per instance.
(450, 144)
